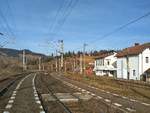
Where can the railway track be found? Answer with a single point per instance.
(6, 83)
(81, 106)
(76, 106)
(66, 109)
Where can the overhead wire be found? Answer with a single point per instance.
(12, 16)
(9, 34)
(117, 29)
(62, 14)
(121, 27)
(5, 21)
(66, 14)
(13, 21)
(56, 16)
(3, 28)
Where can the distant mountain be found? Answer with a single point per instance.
(16, 53)
(11, 60)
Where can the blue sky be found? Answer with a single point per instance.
(31, 21)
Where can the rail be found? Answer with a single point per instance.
(66, 109)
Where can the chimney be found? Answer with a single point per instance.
(136, 44)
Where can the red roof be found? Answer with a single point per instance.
(134, 50)
(104, 55)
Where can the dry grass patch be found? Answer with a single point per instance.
(115, 86)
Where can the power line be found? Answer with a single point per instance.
(62, 14)
(3, 28)
(119, 28)
(60, 18)
(4, 44)
(67, 8)
(66, 14)
(12, 16)
(8, 30)
(63, 11)
(1, 34)
(5, 20)
(56, 16)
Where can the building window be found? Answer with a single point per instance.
(97, 63)
(147, 59)
(100, 62)
(133, 72)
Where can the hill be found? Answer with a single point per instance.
(11, 60)
(16, 53)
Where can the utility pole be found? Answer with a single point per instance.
(81, 70)
(84, 47)
(128, 68)
(39, 63)
(59, 61)
(56, 62)
(74, 65)
(62, 54)
(23, 61)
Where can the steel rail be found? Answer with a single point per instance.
(5, 89)
(67, 110)
(10, 83)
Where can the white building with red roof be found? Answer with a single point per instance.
(105, 64)
(132, 62)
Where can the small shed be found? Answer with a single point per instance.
(146, 75)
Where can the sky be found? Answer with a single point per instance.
(37, 24)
